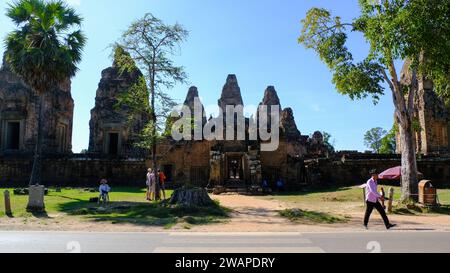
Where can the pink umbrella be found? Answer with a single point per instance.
(393, 174)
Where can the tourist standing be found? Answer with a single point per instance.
(373, 198)
(280, 185)
(162, 183)
(150, 181)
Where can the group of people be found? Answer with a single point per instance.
(154, 186)
(374, 199)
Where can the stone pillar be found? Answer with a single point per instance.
(36, 199)
(7, 203)
(391, 200)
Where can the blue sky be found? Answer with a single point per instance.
(254, 39)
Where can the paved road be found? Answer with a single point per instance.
(359, 242)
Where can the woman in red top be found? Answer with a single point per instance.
(162, 182)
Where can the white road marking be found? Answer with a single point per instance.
(214, 234)
(243, 250)
(241, 240)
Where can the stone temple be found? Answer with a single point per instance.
(112, 133)
(300, 160)
(18, 121)
(241, 162)
(433, 116)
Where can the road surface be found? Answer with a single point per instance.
(355, 242)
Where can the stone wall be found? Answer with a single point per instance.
(355, 171)
(80, 170)
(75, 171)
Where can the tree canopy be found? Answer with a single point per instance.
(47, 45)
(395, 30)
(416, 31)
(149, 45)
(373, 138)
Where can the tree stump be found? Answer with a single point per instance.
(191, 197)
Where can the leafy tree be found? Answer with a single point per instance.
(150, 44)
(413, 30)
(44, 49)
(328, 142)
(389, 143)
(373, 139)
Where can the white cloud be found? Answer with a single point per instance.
(73, 2)
(317, 108)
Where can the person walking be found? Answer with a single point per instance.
(150, 181)
(162, 183)
(373, 200)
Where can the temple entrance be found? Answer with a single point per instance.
(113, 143)
(13, 136)
(235, 170)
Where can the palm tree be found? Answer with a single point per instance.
(44, 50)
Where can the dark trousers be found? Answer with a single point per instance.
(369, 209)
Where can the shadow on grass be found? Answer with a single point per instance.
(146, 214)
(417, 210)
(304, 216)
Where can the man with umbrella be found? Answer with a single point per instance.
(373, 200)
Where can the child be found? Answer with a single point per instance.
(104, 190)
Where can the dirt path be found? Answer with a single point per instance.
(253, 214)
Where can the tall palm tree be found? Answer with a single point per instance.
(44, 50)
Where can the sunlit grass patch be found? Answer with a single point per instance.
(298, 215)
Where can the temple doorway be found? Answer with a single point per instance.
(113, 144)
(235, 169)
(13, 136)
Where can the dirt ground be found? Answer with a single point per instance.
(249, 214)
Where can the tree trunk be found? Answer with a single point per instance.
(191, 197)
(157, 192)
(37, 161)
(409, 163)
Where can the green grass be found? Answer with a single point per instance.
(297, 215)
(128, 205)
(344, 200)
(343, 194)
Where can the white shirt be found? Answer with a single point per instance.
(104, 188)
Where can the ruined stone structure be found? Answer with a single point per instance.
(433, 116)
(18, 116)
(240, 163)
(112, 132)
(299, 160)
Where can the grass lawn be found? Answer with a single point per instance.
(339, 201)
(344, 194)
(128, 205)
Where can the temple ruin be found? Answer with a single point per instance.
(241, 163)
(433, 115)
(18, 120)
(112, 133)
(300, 160)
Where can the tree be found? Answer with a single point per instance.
(44, 50)
(328, 142)
(388, 142)
(417, 31)
(373, 139)
(150, 43)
